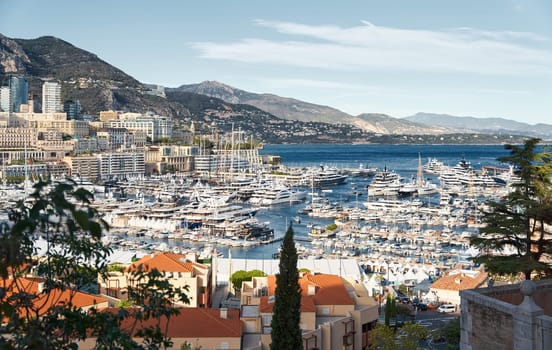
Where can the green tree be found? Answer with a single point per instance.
(388, 310)
(240, 276)
(515, 237)
(73, 258)
(385, 338)
(451, 332)
(286, 333)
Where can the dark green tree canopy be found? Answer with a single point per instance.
(516, 237)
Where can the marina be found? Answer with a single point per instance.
(246, 216)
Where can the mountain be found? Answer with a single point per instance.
(293, 109)
(83, 76)
(384, 124)
(282, 107)
(482, 125)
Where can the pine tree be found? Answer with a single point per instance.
(516, 236)
(286, 333)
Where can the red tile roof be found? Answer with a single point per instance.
(167, 262)
(307, 304)
(197, 323)
(329, 289)
(460, 280)
(54, 297)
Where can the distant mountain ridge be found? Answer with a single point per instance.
(293, 109)
(282, 107)
(482, 125)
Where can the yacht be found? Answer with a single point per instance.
(385, 183)
(276, 194)
(323, 177)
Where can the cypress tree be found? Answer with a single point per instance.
(286, 333)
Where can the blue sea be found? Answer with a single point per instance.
(401, 158)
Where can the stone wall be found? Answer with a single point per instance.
(495, 318)
(489, 328)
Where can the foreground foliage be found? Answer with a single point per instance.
(38, 305)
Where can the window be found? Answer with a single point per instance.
(267, 320)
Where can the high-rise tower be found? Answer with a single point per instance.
(19, 91)
(51, 97)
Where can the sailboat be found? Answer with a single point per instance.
(424, 187)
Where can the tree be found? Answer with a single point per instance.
(384, 337)
(286, 333)
(516, 235)
(46, 317)
(240, 276)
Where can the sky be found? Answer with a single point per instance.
(489, 58)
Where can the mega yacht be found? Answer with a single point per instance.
(273, 194)
(323, 176)
(385, 183)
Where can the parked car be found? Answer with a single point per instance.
(422, 306)
(447, 308)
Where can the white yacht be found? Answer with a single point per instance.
(385, 183)
(273, 194)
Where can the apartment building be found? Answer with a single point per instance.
(155, 127)
(86, 167)
(17, 138)
(181, 270)
(160, 159)
(335, 313)
(121, 165)
(51, 97)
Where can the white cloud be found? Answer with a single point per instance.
(371, 47)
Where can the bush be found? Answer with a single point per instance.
(239, 276)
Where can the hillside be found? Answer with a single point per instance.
(482, 125)
(282, 107)
(384, 124)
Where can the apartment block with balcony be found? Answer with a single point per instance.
(121, 165)
(155, 127)
(86, 167)
(335, 313)
(181, 270)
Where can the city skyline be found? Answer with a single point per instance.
(490, 59)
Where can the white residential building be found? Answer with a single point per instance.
(155, 126)
(5, 99)
(51, 97)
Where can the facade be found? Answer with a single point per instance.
(19, 91)
(51, 97)
(85, 145)
(86, 167)
(72, 109)
(21, 156)
(121, 165)
(507, 317)
(156, 127)
(160, 159)
(5, 99)
(115, 138)
(181, 270)
(335, 313)
(45, 122)
(447, 288)
(17, 138)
